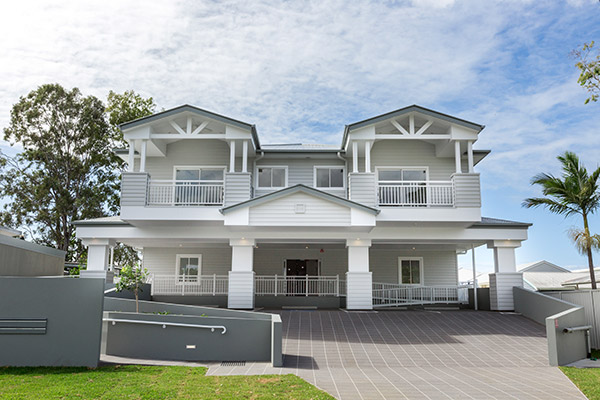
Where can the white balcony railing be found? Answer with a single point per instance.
(280, 285)
(185, 193)
(415, 193)
(391, 294)
(203, 285)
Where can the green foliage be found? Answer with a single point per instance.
(589, 67)
(576, 192)
(132, 279)
(584, 240)
(148, 382)
(66, 169)
(126, 107)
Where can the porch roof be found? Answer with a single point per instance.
(487, 222)
(102, 221)
(303, 189)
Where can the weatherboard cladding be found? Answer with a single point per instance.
(467, 190)
(133, 188)
(237, 187)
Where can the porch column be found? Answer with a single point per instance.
(98, 259)
(143, 149)
(457, 157)
(131, 159)
(359, 280)
(505, 275)
(241, 276)
(232, 156)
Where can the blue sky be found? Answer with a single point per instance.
(301, 70)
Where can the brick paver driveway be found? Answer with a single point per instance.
(417, 354)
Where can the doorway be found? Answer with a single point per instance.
(302, 267)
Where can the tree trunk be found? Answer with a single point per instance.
(137, 305)
(589, 252)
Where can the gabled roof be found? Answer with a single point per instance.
(300, 189)
(195, 110)
(541, 263)
(409, 109)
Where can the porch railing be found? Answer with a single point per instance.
(281, 285)
(391, 294)
(185, 193)
(203, 285)
(415, 193)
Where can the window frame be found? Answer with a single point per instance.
(285, 183)
(178, 258)
(421, 270)
(330, 167)
(199, 168)
(402, 168)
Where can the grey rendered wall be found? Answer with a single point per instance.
(301, 171)
(483, 299)
(555, 314)
(133, 188)
(73, 310)
(467, 190)
(237, 187)
(362, 188)
(22, 258)
(411, 153)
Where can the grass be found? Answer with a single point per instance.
(586, 379)
(144, 382)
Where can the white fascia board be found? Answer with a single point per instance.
(141, 132)
(171, 213)
(450, 214)
(239, 217)
(233, 132)
(361, 218)
(462, 133)
(365, 133)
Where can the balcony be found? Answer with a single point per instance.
(416, 193)
(185, 193)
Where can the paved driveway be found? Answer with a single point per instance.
(417, 355)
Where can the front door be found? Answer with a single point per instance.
(296, 270)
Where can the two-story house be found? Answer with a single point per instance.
(223, 220)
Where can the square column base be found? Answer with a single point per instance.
(108, 276)
(501, 290)
(359, 290)
(241, 290)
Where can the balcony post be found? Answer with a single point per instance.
(232, 156)
(143, 149)
(457, 156)
(367, 156)
(470, 156)
(354, 157)
(245, 156)
(131, 159)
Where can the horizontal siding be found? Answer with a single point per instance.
(237, 188)
(467, 190)
(407, 153)
(163, 260)
(133, 188)
(501, 292)
(188, 152)
(362, 188)
(281, 212)
(439, 267)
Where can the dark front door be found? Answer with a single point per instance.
(296, 270)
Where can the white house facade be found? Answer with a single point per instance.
(223, 220)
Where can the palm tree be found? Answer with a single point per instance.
(576, 193)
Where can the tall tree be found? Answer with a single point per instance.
(576, 193)
(65, 171)
(589, 67)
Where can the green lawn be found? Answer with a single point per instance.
(141, 382)
(586, 379)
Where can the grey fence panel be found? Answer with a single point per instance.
(590, 301)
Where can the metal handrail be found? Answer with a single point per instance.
(165, 324)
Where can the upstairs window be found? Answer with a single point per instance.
(329, 177)
(402, 174)
(272, 177)
(198, 174)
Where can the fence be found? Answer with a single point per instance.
(203, 285)
(185, 193)
(415, 193)
(275, 285)
(590, 301)
(391, 294)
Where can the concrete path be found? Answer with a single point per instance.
(416, 355)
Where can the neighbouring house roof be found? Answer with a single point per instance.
(582, 279)
(406, 110)
(102, 221)
(4, 231)
(487, 222)
(303, 189)
(195, 110)
(541, 266)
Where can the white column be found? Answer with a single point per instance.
(359, 280)
(367, 156)
(355, 157)
(505, 275)
(241, 276)
(98, 259)
(470, 156)
(474, 277)
(232, 156)
(143, 156)
(245, 156)
(457, 156)
(131, 160)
